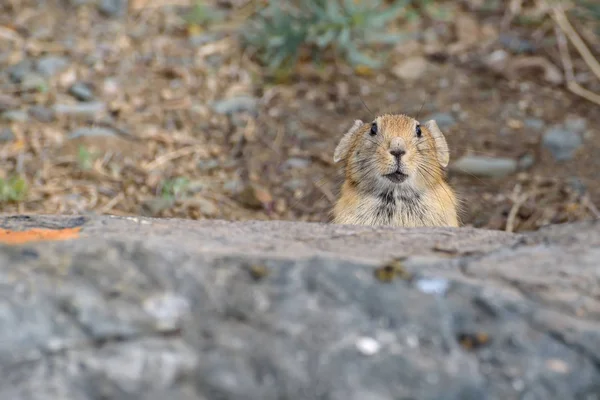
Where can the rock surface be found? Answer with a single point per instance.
(138, 308)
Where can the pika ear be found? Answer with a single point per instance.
(341, 151)
(441, 147)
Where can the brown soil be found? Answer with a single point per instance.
(158, 87)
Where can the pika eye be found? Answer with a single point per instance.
(373, 129)
(418, 130)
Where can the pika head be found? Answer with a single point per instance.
(394, 150)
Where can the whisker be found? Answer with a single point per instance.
(364, 104)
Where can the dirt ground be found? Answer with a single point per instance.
(144, 113)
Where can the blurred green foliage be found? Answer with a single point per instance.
(279, 31)
(202, 15)
(85, 158)
(589, 10)
(172, 189)
(12, 189)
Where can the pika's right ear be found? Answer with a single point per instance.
(341, 151)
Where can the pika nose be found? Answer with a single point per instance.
(397, 153)
(397, 147)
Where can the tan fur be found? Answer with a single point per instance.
(368, 197)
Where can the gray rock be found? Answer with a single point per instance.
(15, 116)
(81, 91)
(41, 113)
(18, 71)
(6, 135)
(444, 120)
(236, 104)
(205, 38)
(484, 166)
(577, 185)
(515, 43)
(232, 186)
(296, 163)
(81, 109)
(154, 308)
(33, 81)
(49, 66)
(92, 131)
(113, 8)
(534, 123)
(562, 143)
(527, 161)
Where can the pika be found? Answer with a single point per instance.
(394, 174)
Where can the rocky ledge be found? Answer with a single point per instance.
(134, 308)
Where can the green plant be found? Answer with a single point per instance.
(202, 15)
(174, 188)
(431, 8)
(13, 189)
(588, 10)
(280, 30)
(85, 158)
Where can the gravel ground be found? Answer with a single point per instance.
(126, 108)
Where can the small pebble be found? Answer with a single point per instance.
(82, 109)
(41, 113)
(81, 92)
(484, 166)
(233, 186)
(93, 131)
(515, 43)
(368, 346)
(562, 143)
(33, 81)
(235, 104)
(433, 285)
(527, 161)
(6, 135)
(18, 71)
(296, 163)
(111, 86)
(202, 39)
(15, 116)
(51, 65)
(113, 8)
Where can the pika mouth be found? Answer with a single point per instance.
(396, 176)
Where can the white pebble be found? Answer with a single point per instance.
(368, 346)
(433, 285)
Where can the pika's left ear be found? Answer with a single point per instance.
(441, 147)
(341, 151)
